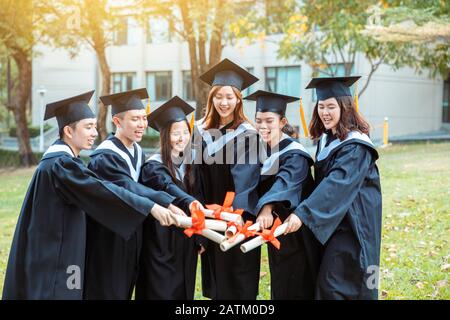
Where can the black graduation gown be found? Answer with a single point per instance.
(231, 274)
(111, 261)
(168, 260)
(50, 238)
(294, 267)
(344, 213)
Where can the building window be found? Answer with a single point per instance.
(123, 81)
(250, 89)
(127, 32)
(188, 90)
(445, 99)
(159, 85)
(159, 30)
(283, 80)
(335, 70)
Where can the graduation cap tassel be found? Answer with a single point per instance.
(356, 98)
(191, 123)
(148, 110)
(303, 120)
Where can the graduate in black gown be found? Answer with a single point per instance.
(285, 180)
(226, 160)
(168, 262)
(111, 261)
(344, 210)
(47, 258)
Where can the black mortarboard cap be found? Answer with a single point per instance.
(174, 110)
(332, 87)
(227, 73)
(124, 101)
(271, 102)
(70, 110)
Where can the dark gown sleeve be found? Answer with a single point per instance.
(157, 176)
(246, 174)
(113, 168)
(112, 206)
(330, 201)
(287, 187)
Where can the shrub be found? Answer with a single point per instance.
(34, 131)
(10, 158)
(150, 141)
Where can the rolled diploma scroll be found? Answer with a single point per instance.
(217, 225)
(213, 235)
(259, 241)
(231, 231)
(226, 216)
(226, 245)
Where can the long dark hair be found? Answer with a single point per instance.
(166, 155)
(288, 129)
(350, 120)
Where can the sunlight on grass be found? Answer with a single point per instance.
(416, 214)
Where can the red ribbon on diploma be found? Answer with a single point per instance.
(198, 221)
(247, 233)
(226, 207)
(242, 230)
(267, 234)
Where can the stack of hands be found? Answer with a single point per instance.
(166, 216)
(265, 219)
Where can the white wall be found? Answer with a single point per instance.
(412, 102)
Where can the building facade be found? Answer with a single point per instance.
(413, 103)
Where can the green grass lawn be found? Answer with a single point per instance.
(415, 254)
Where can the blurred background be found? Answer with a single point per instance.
(51, 50)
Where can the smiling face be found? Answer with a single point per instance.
(329, 113)
(225, 102)
(179, 136)
(269, 125)
(81, 136)
(131, 125)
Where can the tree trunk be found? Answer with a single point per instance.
(215, 53)
(20, 98)
(197, 52)
(26, 155)
(200, 100)
(202, 90)
(215, 44)
(106, 88)
(201, 96)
